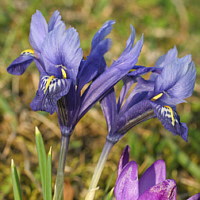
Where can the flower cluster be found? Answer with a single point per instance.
(65, 71)
(152, 184)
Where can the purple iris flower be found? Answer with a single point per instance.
(64, 71)
(152, 184)
(172, 80)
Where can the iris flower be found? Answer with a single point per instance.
(152, 184)
(64, 71)
(172, 80)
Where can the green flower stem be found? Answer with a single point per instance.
(58, 194)
(98, 170)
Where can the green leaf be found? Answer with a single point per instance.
(110, 194)
(48, 176)
(15, 181)
(41, 158)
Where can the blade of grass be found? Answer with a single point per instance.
(48, 176)
(15, 181)
(110, 194)
(183, 158)
(41, 158)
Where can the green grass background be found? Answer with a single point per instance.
(164, 24)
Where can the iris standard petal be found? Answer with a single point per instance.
(101, 34)
(169, 57)
(165, 190)
(54, 21)
(155, 174)
(110, 77)
(124, 159)
(195, 197)
(51, 51)
(38, 31)
(20, 64)
(127, 83)
(49, 93)
(95, 63)
(126, 186)
(71, 52)
(170, 120)
(171, 74)
(184, 86)
(109, 108)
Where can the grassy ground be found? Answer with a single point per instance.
(164, 24)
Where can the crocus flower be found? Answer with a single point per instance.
(152, 184)
(171, 82)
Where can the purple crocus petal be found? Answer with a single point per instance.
(20, 64)
(126, 186)
(164, 60)
(109, 108)
(127, 83)
(72, 54)
(47, 100)
(101, 34)
(154, 175)
(171, 123)
(195, 197)
(136, 114)
(124, 159)
(165, 190)
(110, 77)
(38, 31)
(54, 21)
(51, 51)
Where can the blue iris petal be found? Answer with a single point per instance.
(54, 21)
(95, 63)
(171, 123)
(38, 31)
(20, 64)
(112, 75)
(47, 100)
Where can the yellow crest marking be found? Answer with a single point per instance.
(64, 73)
(84, 57)
(171, 112)
(48, 83)
(157, 97)
(28, 51)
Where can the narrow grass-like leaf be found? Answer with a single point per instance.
(15, 181)
(41, 158)
(110, 194)
(48, 176)
(183, 158)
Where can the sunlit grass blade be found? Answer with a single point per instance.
(48, 176)
(15, 181)
(41, 157)
(110, 194)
